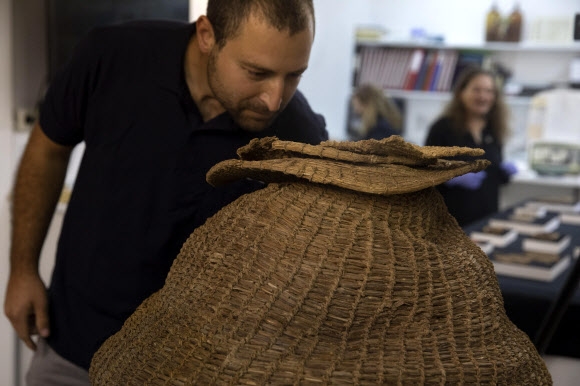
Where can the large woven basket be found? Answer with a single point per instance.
(345, 269)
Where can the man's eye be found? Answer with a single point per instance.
(256, 74)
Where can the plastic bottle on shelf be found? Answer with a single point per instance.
(514, 27)
(492, 24)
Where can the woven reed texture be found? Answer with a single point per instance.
(303, 283)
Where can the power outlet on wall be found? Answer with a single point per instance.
(25, 119)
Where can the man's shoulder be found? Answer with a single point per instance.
(134, 47)
(132, 32)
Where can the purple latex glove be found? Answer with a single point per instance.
(509, 168)
(471, 181)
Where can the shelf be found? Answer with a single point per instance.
(491, 46)
(419, 95)
(445, 96)
(533, 47)
(410, 65)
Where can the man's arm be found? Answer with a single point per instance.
(38, 185)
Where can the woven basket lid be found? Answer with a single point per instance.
(388, 166)
(312, 283)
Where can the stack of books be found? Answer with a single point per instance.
(536, 211)
(552, 242)
(525, 242)
(570, 218)
(531, 265)
(497, 236)
(555, 204)
(568, 209)
(526, 224)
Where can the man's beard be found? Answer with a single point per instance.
(238, 111)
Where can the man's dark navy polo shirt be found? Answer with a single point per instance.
(141, 187)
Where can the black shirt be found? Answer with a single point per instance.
(141, 187)
(466, 205)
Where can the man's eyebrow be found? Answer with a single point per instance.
(257, 68)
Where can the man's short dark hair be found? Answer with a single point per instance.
(226, 16)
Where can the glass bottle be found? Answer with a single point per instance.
(492, 24)
(514, 27)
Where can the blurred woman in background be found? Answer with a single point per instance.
(379, 115)
(475, 117)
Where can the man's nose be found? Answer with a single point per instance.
(272, 94)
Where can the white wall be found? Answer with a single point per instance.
(196, 8)
(6, 336)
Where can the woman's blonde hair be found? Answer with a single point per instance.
(377, 104)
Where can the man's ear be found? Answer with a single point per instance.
(204, 33)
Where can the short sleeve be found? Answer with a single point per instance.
(63, 110)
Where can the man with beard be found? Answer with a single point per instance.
(156, 104)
